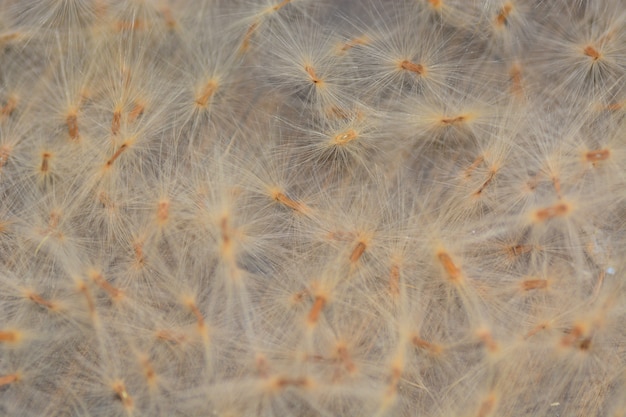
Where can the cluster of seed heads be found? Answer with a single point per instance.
(258, 208)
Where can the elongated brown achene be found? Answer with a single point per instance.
(452, 270)
(413, 67)
(72, 126)
(316, 309)
(534, 284)
(8, 379)
(357, 252)
(312, 74)
(558, 210)
(9, 336)
(117, 154)
(597, 155)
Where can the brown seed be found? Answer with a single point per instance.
(490, 177)
(45, 158)
(196, 312)
(426, 345)
(136, 112)
(487, 406)
(453, 271)
(9, 107)
(454, 120)
(515, 74)
(345, 137)
(517, 250)
(207, 92)
(100, 281)
(116, 122)
(357, 252)
(597, 155)
(281, 5)
(312, 75)
(116, 155)
(394, 281)
(315, 311)
(503, 15)
(9, 336)
(345, 358)
(72, 126)
(592, 53)
(413, 67)
(37, 299)
(547, 213)
(534, 284)
(288, 202)
(479, 160)
(120, 390)
(245, 43)
(163, 211)
(8, 379)
(293, 382)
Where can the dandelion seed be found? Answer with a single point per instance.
(136, 112)
(280, 5)
(10, 106)
(8, 379)
(486, 337)
(534, 284)
(487, 406)
(345, 137)
(100, 281)
(477, 162)
(394, 281)
(139, 254)
(516, 79)
(120, 390)
(455, 120)
(314, 78)
(296, 206)
(168, 17)
(558, 210)
(284, 382)
(345, 359)
(418, 69)
(11, 336)
(425, 345)
(163, 212)
(5, 153)
(72, 125)
(352, 43)
(597, 155)
(196, 312)
(208, 91)
(45, 162)
(592, 53)
(116, 122)
(490, 177)
(357, 252)
(130, 25)
(117, 154)
(262, 367)
(503, 15)
(573, 335)
(394, 380)
(37, 299)
(170, 336)
(245, 43)
(316, 310)
(452, 270)
(518, 250)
